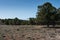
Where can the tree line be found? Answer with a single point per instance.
(14, 21)
(46, 14)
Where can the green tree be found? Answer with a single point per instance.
(16, 21)
(46, 13)
(25, 22)
(58, 16)
(32, 21)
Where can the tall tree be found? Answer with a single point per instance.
(58, 16)
(46, 13)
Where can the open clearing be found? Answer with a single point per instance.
(29, 32)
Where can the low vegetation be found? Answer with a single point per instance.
(28, 32)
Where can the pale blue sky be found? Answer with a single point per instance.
(23, 9)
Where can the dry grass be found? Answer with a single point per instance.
(28, 32)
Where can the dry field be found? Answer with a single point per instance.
(29, 32)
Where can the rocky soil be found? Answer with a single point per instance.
(28, 32)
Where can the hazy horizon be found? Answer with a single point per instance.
(22, 9)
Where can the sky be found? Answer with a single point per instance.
(22, 9)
